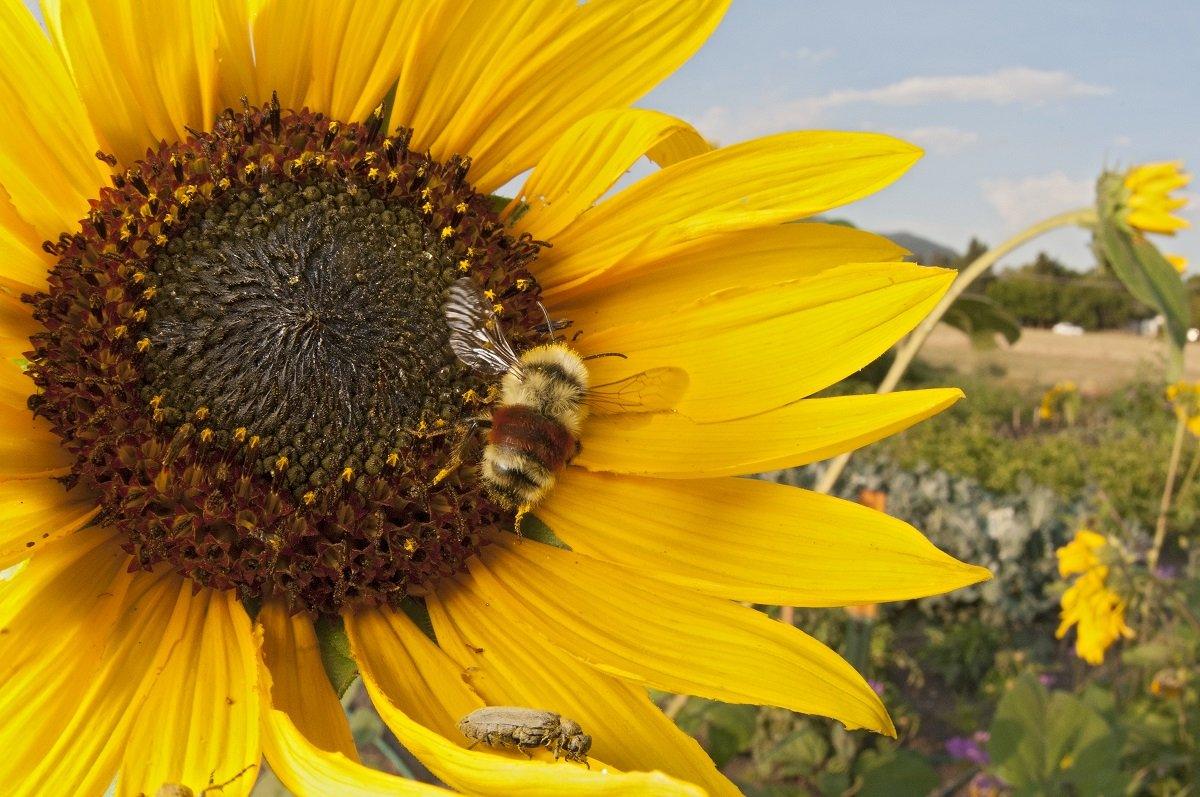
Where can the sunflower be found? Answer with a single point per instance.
(1090, 605)
(1148, 204)
(228, 395)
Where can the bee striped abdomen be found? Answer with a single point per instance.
(525, 450)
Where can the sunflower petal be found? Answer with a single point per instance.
(750, 540)
(434, 685)
(47, 144)
(674, 446)
(508, 78)
(752, 258)
(355, 70)
(589, 158)
(23, 263)
(200, 724)
(147, 71)
(301, 688)
(36, 513)
(655, 634)
(16, 317)
(28, 448)
(736, 344)
(628, 730)
(755, 184)
(309, 771)
(102, 635)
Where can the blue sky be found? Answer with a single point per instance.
(1017, 104)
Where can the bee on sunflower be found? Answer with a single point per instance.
(230, 394)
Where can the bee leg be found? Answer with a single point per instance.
(471, 746)
(456, 456)
(522, 511)
(525, 751)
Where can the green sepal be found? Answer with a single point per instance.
(340, 666)
(1149, 277)
(535, 529)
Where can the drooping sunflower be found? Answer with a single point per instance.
(228, 231)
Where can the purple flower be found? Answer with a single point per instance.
(963, 748)
(1166, 572)
(1046, 679)
(876, 685)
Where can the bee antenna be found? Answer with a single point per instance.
(606, 354)
(549, 323)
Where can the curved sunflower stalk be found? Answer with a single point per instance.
(1128, 205)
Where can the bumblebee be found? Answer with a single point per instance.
(534, 429)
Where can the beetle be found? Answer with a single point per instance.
(526, 728)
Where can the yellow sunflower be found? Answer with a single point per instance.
(1094, 609)
(1149, 205)
(228, 394)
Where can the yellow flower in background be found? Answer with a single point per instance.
(1062, 399)
(1185, 399)
(1148, 204)
(1095, 611)
(235, 351)
(1178, 261)
(1169, 682)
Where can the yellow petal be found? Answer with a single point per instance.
(658, 635)
(301, 687)
(236, 73)
(28, 448)
(432, 684)
(16, 318)
(36, 513)
(23, 263)
(309, 771)
(741, 259)
(146, 71)
(47, 147)
(200, 722)
(807, 431)
(353, 70)
(1157, 221)
(505, 80)
(589, 158)
(627, 729)
(747, 351)
(750, 540)
(755, 184)
(84, 641)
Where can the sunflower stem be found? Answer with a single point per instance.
(1164, 505)
(908, 350)
(394, 758)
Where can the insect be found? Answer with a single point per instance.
(180, 790)
(526, 728)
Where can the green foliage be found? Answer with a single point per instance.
(1049, 743)
(897, 772)
(335, 653)
(982, 319)
(1091, 300)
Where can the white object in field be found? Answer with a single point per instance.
(1193, 335)
(1066, 328)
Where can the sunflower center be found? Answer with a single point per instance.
(246, 352)
(311, 319)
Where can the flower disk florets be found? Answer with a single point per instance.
(246, 353)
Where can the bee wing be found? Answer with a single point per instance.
(653, 390)
(475, 334)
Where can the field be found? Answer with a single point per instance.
(1099, 362)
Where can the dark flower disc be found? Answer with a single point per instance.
(246, 353)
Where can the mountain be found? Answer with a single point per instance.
(924, 251)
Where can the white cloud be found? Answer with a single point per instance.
(1021, 202)
(1018, 84)
(810, 55)
(1122, 141)
(1014, 85)
(941, 140)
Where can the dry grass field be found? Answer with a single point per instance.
(1096, 361)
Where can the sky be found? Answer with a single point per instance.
(1018, 105)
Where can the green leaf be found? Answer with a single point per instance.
(800, 753)
(901, 772)
(1044, 743)
(533, 528)
(1148, 276)
(498, 203)
(335, 653)
(982, 319)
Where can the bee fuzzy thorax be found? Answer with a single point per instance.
(553, 381)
